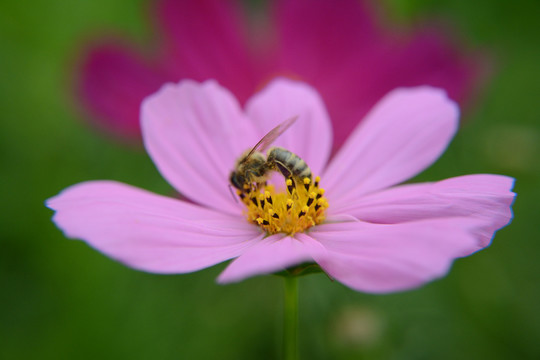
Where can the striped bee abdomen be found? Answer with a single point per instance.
(288, 163)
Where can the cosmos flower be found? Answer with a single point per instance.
(336, 46)
(361, 229)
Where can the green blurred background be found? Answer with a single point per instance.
(61, 300)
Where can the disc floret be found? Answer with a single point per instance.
(298, 207)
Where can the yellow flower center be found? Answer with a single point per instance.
(296, 209)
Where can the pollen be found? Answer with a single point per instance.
(298, 207)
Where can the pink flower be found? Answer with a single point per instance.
(371, 236)
(335, 46)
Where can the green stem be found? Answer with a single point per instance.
(290, 323)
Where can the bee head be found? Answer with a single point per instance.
(237, 180)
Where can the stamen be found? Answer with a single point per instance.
(289, 204)
(268, 197)
(307, 181)
(273, 214)
(261, 200)
(317, 180)
(311, 198)
(290, 185)
(320, 203)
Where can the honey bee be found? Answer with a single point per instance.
(254, 168)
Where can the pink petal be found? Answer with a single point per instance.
(206, 39)
(485, 197)
(310, 137)
(338, 47)
(194, 134)
(148, 231)
(378, 258)
(403, 134)
(114, 80)
(275, 253)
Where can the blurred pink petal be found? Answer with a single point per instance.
(373, 240)
(384, 258)
(336, 46)
(403, 134)
(114, 82)
(427, 59)
(207, 39)
(148, 231)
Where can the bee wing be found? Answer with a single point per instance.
(271, 136)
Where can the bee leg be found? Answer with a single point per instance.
(254, 186)
(283, 169)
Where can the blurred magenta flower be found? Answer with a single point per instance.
(369, 235)
(336, 46)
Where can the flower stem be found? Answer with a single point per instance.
(290, 323)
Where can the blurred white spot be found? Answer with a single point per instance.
(357, 327)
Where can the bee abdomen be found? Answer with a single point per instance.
(288, 163)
